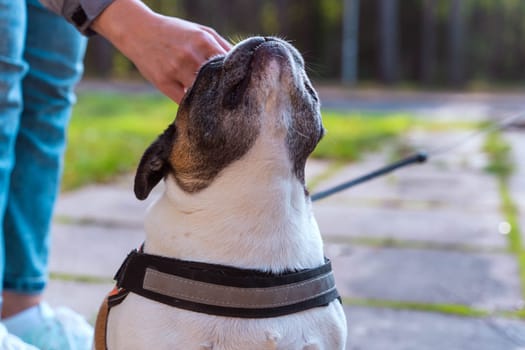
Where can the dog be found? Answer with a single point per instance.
(235, 204)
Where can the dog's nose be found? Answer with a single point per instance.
(252, 43)
(272, 39)
(241, 54)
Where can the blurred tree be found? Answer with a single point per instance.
(100, 54)
(166, 7)
(270, 18)
(456, 43)
(428, 42)
(350, 41)
(389, 41)
(282, 17)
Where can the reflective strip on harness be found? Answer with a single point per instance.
(247, 298)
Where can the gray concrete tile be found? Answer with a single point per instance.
(469, 227)
(487, 281)
(113, 203)
(91, 250)
(84, 298)
(315, 167)
(380, 329)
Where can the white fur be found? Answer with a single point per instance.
(254, 215)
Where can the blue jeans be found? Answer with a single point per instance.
(40, 63)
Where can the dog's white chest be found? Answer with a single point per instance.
(140, 323)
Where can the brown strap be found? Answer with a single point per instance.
(101, 326)
(115, 297)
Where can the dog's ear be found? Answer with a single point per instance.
(154, 164)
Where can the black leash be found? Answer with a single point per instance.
(419, 157)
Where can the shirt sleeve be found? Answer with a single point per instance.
(81, 13)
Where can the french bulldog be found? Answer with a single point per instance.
(233, 163)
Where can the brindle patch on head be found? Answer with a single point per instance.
(214, 134)
(220, 117)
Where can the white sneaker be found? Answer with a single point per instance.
(10, 342)
(60, 329)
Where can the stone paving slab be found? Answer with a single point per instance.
(381, 329)
(448, 226)
(89, 250)
(105, 203)
(84, 298)
(487, 281)
(315, 167)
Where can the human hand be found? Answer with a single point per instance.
(167, 51)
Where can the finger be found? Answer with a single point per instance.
(223, 43)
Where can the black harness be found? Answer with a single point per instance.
(223, 290)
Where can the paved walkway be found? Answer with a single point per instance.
(410, 250)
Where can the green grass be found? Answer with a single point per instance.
(388, 242)
(109, 133)
(498, 150)
(501, 166)
(441, 308)
(349, 135)
(514, 237)
(66, 277)
(510, 211)
(448, 309)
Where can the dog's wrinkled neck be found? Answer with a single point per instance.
(254, 215)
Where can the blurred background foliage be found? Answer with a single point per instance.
(422, 42)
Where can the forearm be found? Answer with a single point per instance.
(80, 13)
(124, 23)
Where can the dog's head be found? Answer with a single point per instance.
(260, 87)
